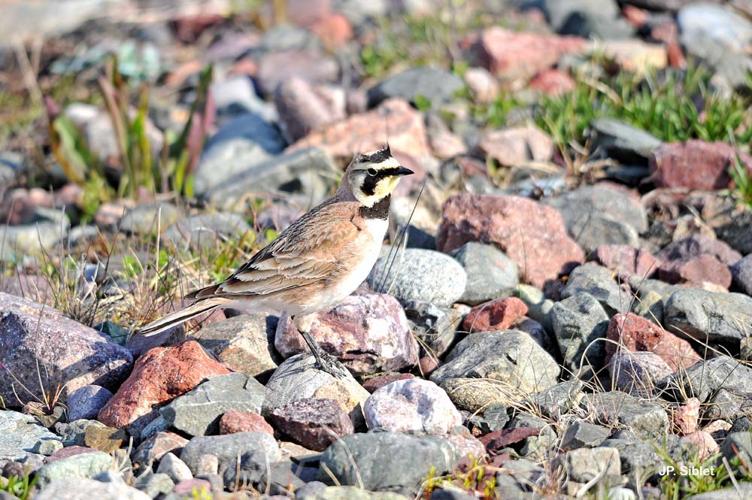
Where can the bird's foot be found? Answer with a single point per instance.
(330, 364)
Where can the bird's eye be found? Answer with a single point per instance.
(371, 171)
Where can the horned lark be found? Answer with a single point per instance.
(317, 261)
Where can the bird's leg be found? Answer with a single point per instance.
(324, 361)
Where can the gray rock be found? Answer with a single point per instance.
(637, 373)
(599, 282)
(434, 326)
(242, 342)
(582, 434)
(86, 401)
(538, 306)
(578, 322)
(490, 273)
(585, 464)
(38, 341)
(12, 165)
(304, 108)
(285, 476)
(736, 232)
(600, 215)
(510, 357)
(35, 238)
(83, 465)
(21, 434)
(73, 433)
(204, 231)
(238, 146)
(149, 218)
(438, 86)
(236, 96)
(309, 172)
(198, 411)
(494, 417)
(636, 455)
(738, 444)
(706, 378)
(558, 399)
(740, 490)
(283, 65)
(475, 394)
(423, 275)
(297, 378)
(174, 468)
(515, 478)
(742, 273)
(714, 24)
(618, 409)
(587, 18)
(156, 446)
(558, 13)
(257, 447)
(710, 317)
(413, 405)
(358, 459)
(154, 484)
(621, 141)
(343, 492)
(72, 488)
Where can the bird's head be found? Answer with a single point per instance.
(372, 177)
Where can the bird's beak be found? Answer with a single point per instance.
(404, 171)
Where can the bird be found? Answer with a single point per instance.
(316, 262)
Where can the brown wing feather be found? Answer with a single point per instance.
(305, 253)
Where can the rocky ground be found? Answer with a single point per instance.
(563, 306)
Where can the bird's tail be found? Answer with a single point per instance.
(182, 316)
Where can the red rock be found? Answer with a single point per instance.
(158, 376)
(304, 108)
(516, 146)
(520, 55)
(531, 234)
(499, 314)
(694, 165)
(20, 205)
(313, 423)
(394, 119)
(636, 333)
(627, 260)
(686, 416)
(698, 259)
(498, 440)
(334, 30)
(552, 82)
(234, 421)
(379, 381)
(427, 364)
(675, 54)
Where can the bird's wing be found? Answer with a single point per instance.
(305, 253)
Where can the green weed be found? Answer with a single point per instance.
(21, 487)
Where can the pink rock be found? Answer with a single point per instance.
(703, 442)
(234, 421)
(552, 82)
(68, 451)
(531, 234)
(627, 260)
(189, 486)
(516, 55)
(698, 244)
(304, 108)
(685, 417)
(38, 343)
(157, 446)
(313, 423)
(393, 120)
(516, 146)
(695, 165)
(160, 375)
(277, 67)
(636, 334)
(701, 269)
(368, 333)
(499, 314)
(698, 259)
(482, 84)
(307, 12)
